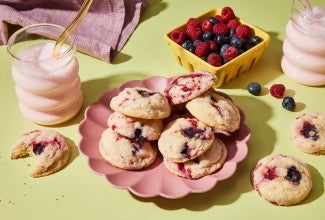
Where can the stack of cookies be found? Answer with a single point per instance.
(185, 120)
(136, 122)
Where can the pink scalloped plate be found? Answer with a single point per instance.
(154, 180)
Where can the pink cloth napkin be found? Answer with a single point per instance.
(102, 34)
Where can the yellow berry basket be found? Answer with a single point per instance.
(228, 70)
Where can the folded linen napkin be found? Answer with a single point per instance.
(102, 34)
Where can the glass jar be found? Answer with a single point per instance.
(304, 47)
(48, 88)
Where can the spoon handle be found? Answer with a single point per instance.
(72, 26)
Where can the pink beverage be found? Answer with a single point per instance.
(48, 88)
(304, 47)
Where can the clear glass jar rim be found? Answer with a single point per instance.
(70, 49)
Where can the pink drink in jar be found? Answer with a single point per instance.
(304, 47)
(48, 88)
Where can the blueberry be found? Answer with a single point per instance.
(193, 133)
(145, 93)
(38, 149)
(196, 42)
(136, 148)
(309, 131)
(205, 58)
(224, 47)
(208, 35)
(220, 39)
(185, 151)
(138, 135)
(192, 49)
(254, 88)
(213, 20)
(289, 103)
(232, 32)
(293, 175)
(255, 40)
(187, 44)
(236, 41)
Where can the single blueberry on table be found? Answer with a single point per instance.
(289, 103)
(254, 88)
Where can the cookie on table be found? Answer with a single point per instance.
(281, 180)
(206, 164)
(186, 87)
(215, 111)
(50, 148)
(308, 132)
(141, 102)
(125, 153)
(185, 139)
(137, 129)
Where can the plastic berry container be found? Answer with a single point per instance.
(227, 71)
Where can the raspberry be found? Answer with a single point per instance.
(193, 33)
(214, 59)
(178, 36)
(230, 53)
(218, 18)
(227, 14)
(206, 25)
(192, 22)
(277, 90)
(243, 30)
(220, 28)
(202, 49)
(233, 24)
(212, 45)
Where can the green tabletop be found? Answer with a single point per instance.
(77, 193)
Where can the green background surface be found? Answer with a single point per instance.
(77, 193)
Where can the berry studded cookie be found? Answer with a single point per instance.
(206, 164)
(135, 128)
(141, 102)
(125, 153)
(281, 180)
(215, 111)
(308, 132)
(186, 87)
(49, 147)
(185, 139)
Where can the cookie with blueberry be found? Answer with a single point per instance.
(50, 148)
(308, 132)
(204, 165)
(137, 129)
(281, 180)
(141, 102)
(185, 139)
(125, 153)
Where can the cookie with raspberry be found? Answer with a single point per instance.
(50, 148)
(216, 111)
(308, 132)
(281, 180)
(185, 139)
(186, 87)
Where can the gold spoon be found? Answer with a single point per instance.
(72, 26)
